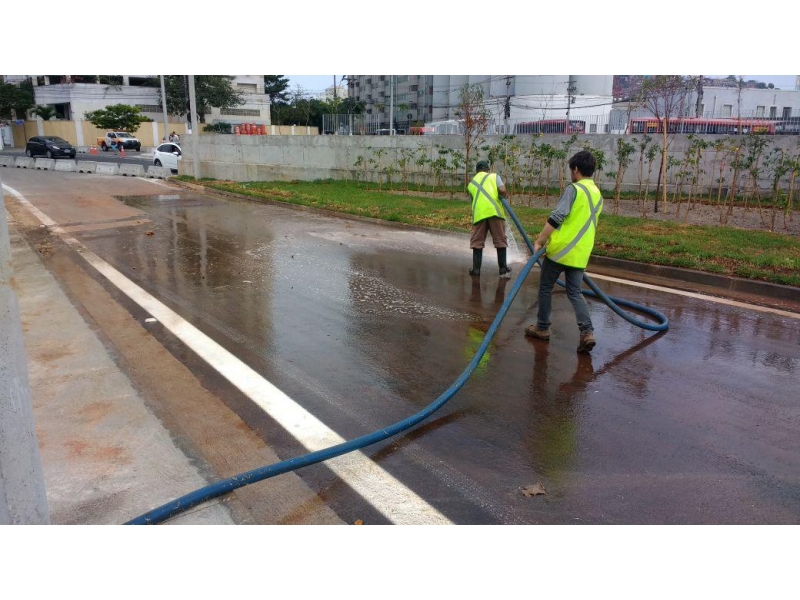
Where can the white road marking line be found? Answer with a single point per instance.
(776, 311)
(155, 181)
(390, 497)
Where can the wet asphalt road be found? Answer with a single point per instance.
(364, 325)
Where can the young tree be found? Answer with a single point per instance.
(215, 91)
(14, 98)
(665, 97)
(45, 111)
(475, 120)
(117, 117)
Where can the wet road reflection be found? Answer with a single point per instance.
(364, 325)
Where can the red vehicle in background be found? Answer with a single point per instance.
(708, 126)
(550, 126)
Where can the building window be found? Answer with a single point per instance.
(250, 88)
(773, 112)
(592, 128)
(401, 79)
(151, 108)
(760, 111)
(787, 112)
(727, 109)
(240, 112)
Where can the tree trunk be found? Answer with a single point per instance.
(664, 169)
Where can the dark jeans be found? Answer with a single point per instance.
(550, 272)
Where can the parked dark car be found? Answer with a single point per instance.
(50, 146)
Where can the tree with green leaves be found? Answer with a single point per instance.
(117, 117)
(211, 91)
(275, 87)
(624, 158)
(45, 111)
(14, 98)
(474, 118)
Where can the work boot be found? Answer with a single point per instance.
(477, 259)
(534, 331)
(586, 342)
(505, 270)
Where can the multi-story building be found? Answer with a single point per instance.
(73, 95)
(431, 98)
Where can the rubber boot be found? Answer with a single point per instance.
(477, 258)
(505, 270)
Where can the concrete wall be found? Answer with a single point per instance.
(265, 158)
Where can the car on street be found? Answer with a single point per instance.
(50, 146)
(167, 155)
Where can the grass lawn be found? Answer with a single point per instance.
(752, 254)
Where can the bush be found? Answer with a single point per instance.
(218, 128)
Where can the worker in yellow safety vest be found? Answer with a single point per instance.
(569, 237)
(485, 189)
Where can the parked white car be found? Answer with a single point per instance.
(167, 155)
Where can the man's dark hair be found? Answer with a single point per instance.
(584, 160)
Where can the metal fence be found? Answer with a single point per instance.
(616, 122)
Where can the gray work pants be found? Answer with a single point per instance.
(550, 272)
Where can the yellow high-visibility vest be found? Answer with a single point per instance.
(485, 199)
(572, 243)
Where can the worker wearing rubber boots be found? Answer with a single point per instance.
(569, 237)
(485, 190)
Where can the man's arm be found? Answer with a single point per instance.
(543, 237)
(557, 217)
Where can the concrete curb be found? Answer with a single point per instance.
(66, 165)
(732, 284)
(107, 168)
(132, 170)
(48, 164)
(158, 172)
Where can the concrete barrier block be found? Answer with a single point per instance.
(158, 172)
(48, 164)
(131, 170)
(6, 161)
(66, 165)
(86, 166)
(82, 149)
(107, 168)
(23, 162)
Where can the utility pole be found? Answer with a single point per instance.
(164, 108)
(698, 109)
(195, 130)
(335, 109)
(571, 89)
(391, 104)
(507, 108)
(23, 499)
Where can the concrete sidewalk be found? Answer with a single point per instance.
(106, 457)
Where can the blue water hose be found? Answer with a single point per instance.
(179, 505)
(595, 292)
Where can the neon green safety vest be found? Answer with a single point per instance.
(485, 199)
(572, 243)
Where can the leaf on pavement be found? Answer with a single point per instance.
(534, 490)
(358, 522)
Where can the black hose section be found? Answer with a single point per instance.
(179, 505)
(611, 301)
